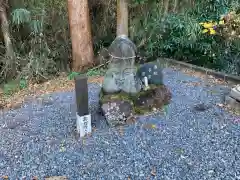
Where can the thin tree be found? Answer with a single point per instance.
(10, 64)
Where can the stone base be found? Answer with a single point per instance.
(117, 112)
(118, 108)
(235, 92)
(232, 103)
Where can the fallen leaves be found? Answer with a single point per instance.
(5, 177)
(192, 83)
(59, 84)
(154, 171)
(47, 178)
(150, 126)
(62, 147)
(131, 120)
(121, 130)
(202, 75)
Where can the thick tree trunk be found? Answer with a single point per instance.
(80, 29)
(122, 17)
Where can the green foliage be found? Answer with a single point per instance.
(14, 86)
(89, 73)
(72, 75)
(40, 38)
(10, 88)
(42, 44)
(22, 84)
(20, 16)
(178, 36)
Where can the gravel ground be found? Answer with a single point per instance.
(187, 143)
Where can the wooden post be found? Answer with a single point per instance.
(122, 17)
(80, 30)
(83, 117)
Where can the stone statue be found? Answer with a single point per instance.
(131, 84)
(121, 73)
(110, 84)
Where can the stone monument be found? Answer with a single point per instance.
(128, 90)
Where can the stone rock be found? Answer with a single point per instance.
(201, 107)
(152, 71)
(122, 46)
(162, 95)
(153, 98)
(110, 83)
(132, 84)
(232, 103)
(235, 92)
(116, 111)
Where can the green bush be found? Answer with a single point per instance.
(43, 47)
(179, 36)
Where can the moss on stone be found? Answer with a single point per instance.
(122, 96)
(141, 110)
(104, 98)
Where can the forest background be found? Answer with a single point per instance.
(201, 32)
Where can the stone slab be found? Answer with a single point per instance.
(235, 92)
(233, 103)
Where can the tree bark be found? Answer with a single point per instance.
(10, 64)
(175, 6)
(122, 17)
(166, 7)
(80, 30)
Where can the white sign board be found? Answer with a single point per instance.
(84, 126)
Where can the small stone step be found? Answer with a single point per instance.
(233, 103)
(235, 92)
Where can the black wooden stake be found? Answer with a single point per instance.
(81, 89)
(83, 117)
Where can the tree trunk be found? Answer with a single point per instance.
(166, 7)
(10, 64)
(80, 30)
(122, 17)
(175, 6)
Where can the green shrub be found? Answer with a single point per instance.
(43, 47)
(179, 36)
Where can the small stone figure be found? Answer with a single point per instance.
(110, 83)
(131, 84)
(152, 71)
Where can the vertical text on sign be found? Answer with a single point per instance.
(84, 125)
(83, 116)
